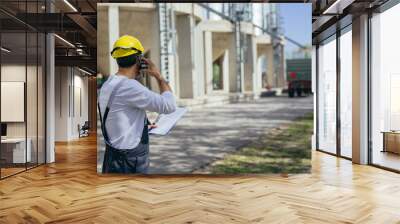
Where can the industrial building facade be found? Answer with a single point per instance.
(209, 52)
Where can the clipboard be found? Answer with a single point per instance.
(165, 122)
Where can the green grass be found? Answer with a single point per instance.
(285, 150)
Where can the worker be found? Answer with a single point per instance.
(123, 102)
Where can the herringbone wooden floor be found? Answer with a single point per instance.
(70, 191)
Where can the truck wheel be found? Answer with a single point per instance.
(298, 91)
(291, 93)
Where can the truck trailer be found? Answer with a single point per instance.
(298, 76)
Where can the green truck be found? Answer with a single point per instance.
(298, 76)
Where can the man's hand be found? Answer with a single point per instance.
(152, 70)
(151, 126)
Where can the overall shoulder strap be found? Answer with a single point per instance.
(107, 109)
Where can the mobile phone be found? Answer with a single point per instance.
(143, 65)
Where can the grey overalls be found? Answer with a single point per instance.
(127, 161)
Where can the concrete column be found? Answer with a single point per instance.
(185, 73)
(103, 55)
(225, 72)
(50, 93)
(208, 61)
(270, 65)
(260, 63)
(50, 98)
(232, 64)
(256, 76)
(250, 65)
(282, 71)
(199, 63)
(360, 90)
(172, 59)
(113, 35)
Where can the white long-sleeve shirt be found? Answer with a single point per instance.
(127, 112)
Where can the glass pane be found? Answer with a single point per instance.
(41, 99)
(13, 87)
(32, 82)
(327, 96)
(346, 94)
(32, 98)
(386, 89)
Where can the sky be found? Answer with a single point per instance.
(296, 23)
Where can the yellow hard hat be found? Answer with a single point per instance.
(125, 46)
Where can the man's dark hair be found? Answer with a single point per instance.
(127, 61)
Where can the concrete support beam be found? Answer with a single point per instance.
(113, 35)
(282, 71)
(50, 98)
(246, 28)
(102, 40)
(208, 61)
(226, 69)
(270, 76)
(50, 95)
(232, 64)
(217, 26)
(199, 64)
(108, 24)
(256, 73)
(185, 73)
(250, 66)
(360, 90)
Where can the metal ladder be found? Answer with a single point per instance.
(274, 26)
(166, 37)
(237, 12)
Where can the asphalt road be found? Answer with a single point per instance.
(207, 134)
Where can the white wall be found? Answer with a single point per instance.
(69, 82)
(62, 81)
(33, 126)
(80, 84)
(12, 73)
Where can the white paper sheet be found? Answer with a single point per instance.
(165, 122)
